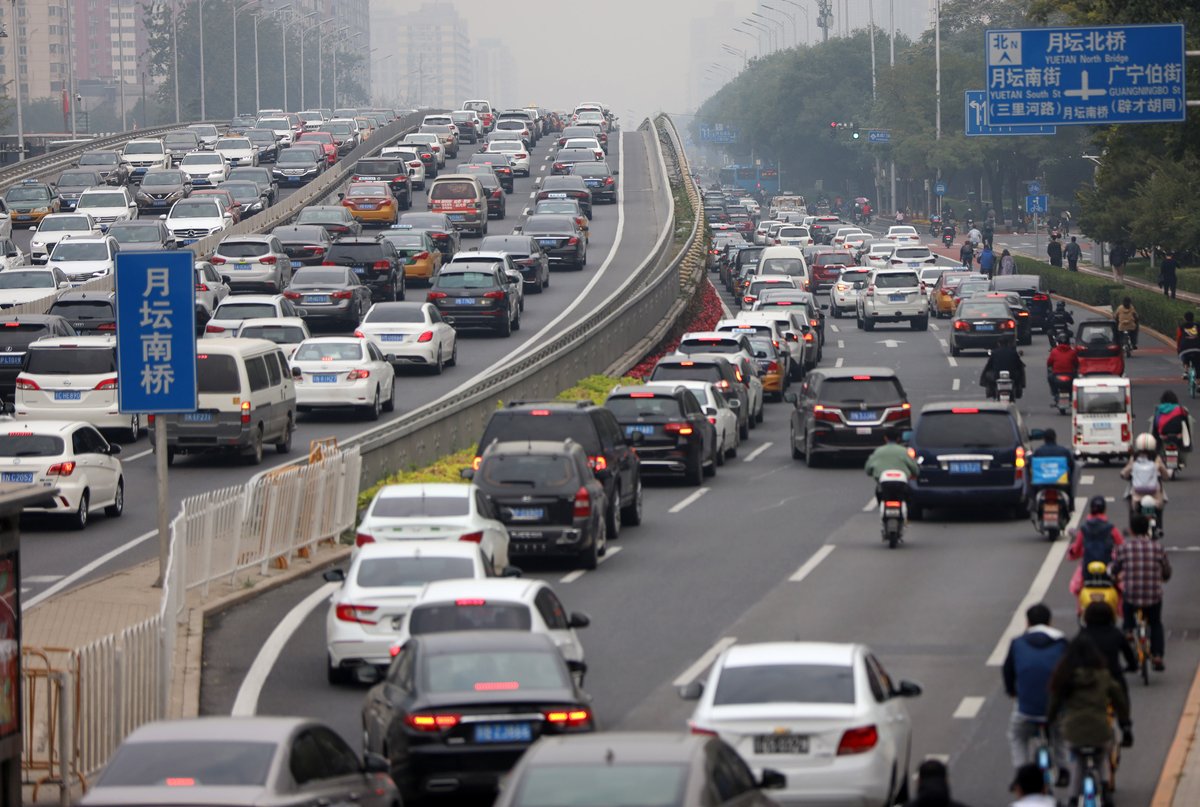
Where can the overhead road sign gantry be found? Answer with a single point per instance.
(718, 133)
(1085, 76)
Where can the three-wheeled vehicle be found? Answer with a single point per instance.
(1101, 418)
(1099, 347)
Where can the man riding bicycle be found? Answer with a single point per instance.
(1142, 567)
(1031, 659)
(1187, 343)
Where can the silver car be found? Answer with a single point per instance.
(253, 263)
(277, 761)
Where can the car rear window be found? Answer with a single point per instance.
(279, 334)
(237, 311)
(198, 763)
(793, 267)
(603, 785)
(785, 683)
(469, 614)
(378, 168)
(897, 280)
(354, 253)
(966, 428)
(690, 346)
(490, 671)
(912, 253)
(429, 506)
(82, 309)
(20, 334)
(971, 310)
(643, 404)
(465, 280)
(71, 361)
(453, 190)
(387, 572)
(528, 471)
(555, 425)
(1100, 401)
(216, 373)
(23, 444)
(861, 390)
(329, 351)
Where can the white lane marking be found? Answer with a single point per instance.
(934, 326)
(532, 194)
(807, 567)
(841, 343)
(139, 455)
(571, 577)
(85, 570)
(1182, 548)
(701, 664)
(1038, 588)
(957, 383)
(834, 328)
(944, 342)
(953, 361)
(1087, 479)
(942, 758)
(839, 362)
(870, 505)
(691, 498)
(525, 212)
(753, 455)
(246, 703)
(42, 579)
(968, 708)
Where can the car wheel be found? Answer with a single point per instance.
(516, 326)
(505, 329)
(631, 513)
(438, 364)
(758, 417)
(135, 428)
(403, 287)
(797, 454)
(390, 404)
(115, 509)
(372, 410)
(954, 349)
(285, 444)
(710, 468)
(589, 558)
(920, 324)
(858, 321)
(453, 362)
(612, 518)
(694, 473)
(722, 452)
(811, 458)
(256, 448)
(744, 429)
(834, 311)
(337, 676)
(79, 519)
(868, 325)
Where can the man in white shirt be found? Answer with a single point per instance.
(1030, 788)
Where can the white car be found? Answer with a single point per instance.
(68, 455)
(377, 590)
(107, 205)
(429, 141)
(237, 151)
(85, 257)
(903, 234)
(913, 258)
(211, 287)
(416, 168)
(192, 219)
(929, 276)
(11, 255)
(760, 232)
(827, 716)
(410, 333)
(311, 119)
(497, 604)
(893, 295)
(29, 283)
(287, 332)
(585, 143)
(142, 155)
(338, 372)
(254, 263)
(798, 339)
(54, 228)
(518, 155)
(208, 134)
(73, 378)
(878, 255)
(206, 169)
(233, 311)
(842, 233)
(433, 512)
(514, 127)
(792, 235)
(281, 126)
(759, 282)
(843, 295)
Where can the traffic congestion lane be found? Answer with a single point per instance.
(57, 558)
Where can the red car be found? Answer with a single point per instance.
(327, 143)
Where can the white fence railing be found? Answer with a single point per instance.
(111, 686)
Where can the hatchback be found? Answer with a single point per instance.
(845, 411)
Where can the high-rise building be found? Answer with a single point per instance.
(39, 31)
(424, 56)
(494, 72)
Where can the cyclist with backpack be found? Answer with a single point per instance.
(1145, 472)
(1096, 539)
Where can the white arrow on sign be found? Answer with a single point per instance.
(890, 342)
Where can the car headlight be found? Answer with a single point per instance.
(41, 210)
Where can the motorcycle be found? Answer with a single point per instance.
(1005, 388)
(935, 225)
(1060, 389)
(947, 237)
(893, 491)
(1050, 512)
(1147, 506)
(1172, 457)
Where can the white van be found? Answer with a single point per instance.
(785, 261)
(1101, 418)
(247, 399)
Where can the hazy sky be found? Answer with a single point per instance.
(631, 54)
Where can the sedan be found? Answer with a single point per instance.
(297, 166)
(162, 187)
(259, 176)
(601, 181)
(570, 207)
(445, 511)
(371, 203)
(565, 160)
(980, 325)
(336, 219)
(28, 283)
(527, 255)
(412, 334)
(826, 716)
(204, 168)
(249, 196)
(499, 163)
(422, 258)
(305, 244)
(444, 233)
(55, 228)
(567, 187)
(336, 372)
(145, 235)
(73, 182)
(237, 151)
(107, 163)
(325, 140)
(329, 293)
(287, 332)
(241, 761)
(559, 237)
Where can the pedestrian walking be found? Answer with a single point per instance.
(1168, 277)
(1008, 264)
(1117, 258)
(1055, 252)
(987, 260)
(1073, 253)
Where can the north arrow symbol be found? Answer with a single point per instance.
(890, 342)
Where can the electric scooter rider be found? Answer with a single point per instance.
(1062, 361)
(1172, 423)
(1060, 322)
(891, 456)
(1051, 448)
(1145, 472)
(1003, 357)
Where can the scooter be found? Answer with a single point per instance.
(893, 490)
(1050, 511)
(947, 237)
(1004, 386)
(1060, 389)
(1171, 457)
(935, 225)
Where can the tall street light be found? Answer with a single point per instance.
(756, 37)
(175, 52)
(791, 18)
(804, 11)
(374, 62)
(738, 52)
(250, 5)
(121, 61)
(280, 14)
(768, 25)
(762, 28)
(16, 50)
(321, 61)
(304, 32)
(203, 89)
(284, 28)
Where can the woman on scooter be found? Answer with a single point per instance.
(1145, 473)
(1063, 362)
(1172, 423)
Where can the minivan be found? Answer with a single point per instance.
(462, 199)
(247, 398)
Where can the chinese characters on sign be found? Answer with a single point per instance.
(718, 133)
(977, 125)
(157, 375)
(1072, 76)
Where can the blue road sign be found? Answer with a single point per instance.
(718, 134)
(156, 332)
(940, 188)
(975, 114)
(1085, 76)
(1036, 204)
(879, 135)
(1033, 188)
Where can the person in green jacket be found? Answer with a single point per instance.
(891, 456)
(1081, 692)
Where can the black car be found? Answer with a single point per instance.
(391, 170)
(547, 498)
(89, 312)
(74, 181)
(1030, 289)
(599, 179)
(559, 237)
(248, 194)
(1017, 309)
(443, 231)
(980, 325)
(265, 141)
(610, 456)
(567, 187)
(527, 255)
(160, 188)
(329, 293)
(336, 219)
(181, 142)
(498, 163)
(497, 205)
(305, 244)
(143, 235)
(846, 411)
(741, 261)
(715, 370)
(476, 296)
(297, 166)
(676, 436)
(566, 159)
(260, 176)
(107, 163)
(374, 260)
(823, 229)
(457, 710)
(17, 331)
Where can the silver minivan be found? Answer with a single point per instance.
(247, 399)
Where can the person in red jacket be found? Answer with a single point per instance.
(1063, 360)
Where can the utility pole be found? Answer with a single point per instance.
(16, 47)
(892, 65)
(871, 33)
(121, 61)
(175, 51)
(937, 56)
(824, 18)
(71, 69)
(257, 85)
(203, 89)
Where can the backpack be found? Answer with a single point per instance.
(1097, 541)
(1144, 477)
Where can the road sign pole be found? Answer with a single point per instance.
(164, 500)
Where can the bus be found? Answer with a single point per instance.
(751, 178)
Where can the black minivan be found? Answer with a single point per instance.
(391, 170)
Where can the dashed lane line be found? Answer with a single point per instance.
(690, 499)
(704, 662)
(968, 708)
(753, 455)
(571, 577)
(812, 563)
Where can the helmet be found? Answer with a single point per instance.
(1148, 503)
(1061, 306)
(1097, 505)
(1145, 442)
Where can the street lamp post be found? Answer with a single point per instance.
(121, 62)
(16, 49)
(375, 62)
(303, 32)
(257, 85)
(791, 18)
(770, 23)
(250, 4)
(762, 28)
(738, 52)
(175, 52)
(71, 69)
(757, 38)
(203, 89)
(321, 61)
(804, 11)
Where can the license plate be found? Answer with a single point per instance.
(985, 327)
(368, 179)
(324, 379)
(457, 217)
(914, 264)
(393, 337)
(781, 744)
(316, 298)
(10, 360)
(593, 184)
(897, 298)
(242, 267)
(464, 301)
(360, 270)
(547, 242)
(197, 417)
(20, 478)
(24, 218)
(640, 428)
(966, 467)
(862, 430)
(503, 733)
(863, 416)
(185, 242)
(1102, 426)
(556, 195)
(1050, 513)
(67, 395)
(527, 513)
(297, 264)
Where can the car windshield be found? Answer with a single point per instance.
(966, 428)
(602, 785)
(102, 200)
(336, 129)
(273, 123)
(896, 280)
(793, 267)
(197, 209)
(15, 279)
(76, 179)
(396, 312)
(143, 148)
(785, 683)
(279, 334)
(81, 309)
(234, 144)
(198, 763)
(912, 253)
(295, 157)
(178, 140)
(80, 251)
(329, 351)
(159, 178)
(627, 407)
(25, 444)
(136, 234)
(237, 311)
(465, 280)
(531, 471)
(686, 372)
(413, 571)
(72, 360)
(51, 224)
(866, 390)
(14, 333)
(109, 158)
(203, 159)
(480, 671)
(1095, 400)
(367, 190)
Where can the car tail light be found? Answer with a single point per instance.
(808, 337)
(434, 295)
(748, 299)
(342, 295)
(357, 375)
(694, 729)
(498, 193)
(823, 413)
(363, 538)
(426, 155)
(107, 326)
(107, 384)
(328, 263)
(571, 718)
(521, 156)
(608, 180)
(427, 336)
(572, 241)
(268, 260)
(899, 414)
(772, 367)
(245, 411)
(583, 503)
(712, 420)
(292, 295)
(216, 260)
(494, 295)
(598, 463)
(61, 469)
(960, 325)
(378, 265)
(1124, 432)
(1040, 298)
(559, 166)
(858, 741)
(201, 287)
(347, 612)
(415, 164)
(438, 722)
(678, 428)
(1008, 325)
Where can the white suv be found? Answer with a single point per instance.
(142, 155)
(253, 263)
(893, 295)
(85, 257)
(56, 227)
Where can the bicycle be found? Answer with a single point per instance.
(1127, 343)
(1141, 636)
(1094, 791)
(1043, 755)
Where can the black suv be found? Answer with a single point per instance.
(89, 312)
(715, 370)
(543, 492)
(391, 170)
(567, 187)
(676, 435)
(845, 411)
(971, 455)
(1030, 289)
(375, 260)
(17, 331)
(476, 295)
(609, 454)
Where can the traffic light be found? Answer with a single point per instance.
(841, 126)
(854, 135)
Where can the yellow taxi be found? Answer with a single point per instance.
(371, 203)
(942, 299)
(29, 201)
(422, 258)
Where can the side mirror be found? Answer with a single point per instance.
(735, 404)
(635, 438)
(162, 216)
(113, 449)
(772, 779)
(297, 373)
(225, 279)
(374, 763)
(341, 196)
(578, 619)
(791, 336)
(64, 285)
(467, 473)
(790, 397)
(302, 312)
(334, 575)
(710, 410)
(511, 571)
(907, 689)
(692, 691)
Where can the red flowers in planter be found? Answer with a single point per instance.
(702, 314)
